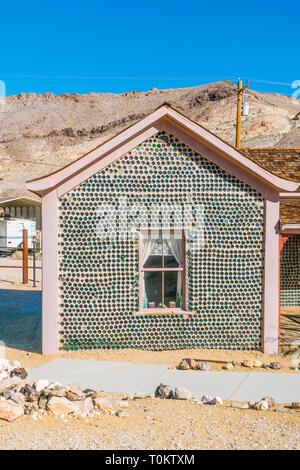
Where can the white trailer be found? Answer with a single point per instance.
(11, 232)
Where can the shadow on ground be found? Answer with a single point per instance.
(20, 319)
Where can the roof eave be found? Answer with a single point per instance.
(40, 185)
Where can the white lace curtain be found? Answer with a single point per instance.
(148, 244)
(174, 242)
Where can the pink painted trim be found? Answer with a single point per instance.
(290, 228)
(116, 147)
(50, 293)
(289, 196)
(140, 272)
(162, 311)
(142, 310)
(271, 276)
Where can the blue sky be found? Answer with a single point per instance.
(118, 46)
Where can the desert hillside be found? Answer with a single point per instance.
(40, 133)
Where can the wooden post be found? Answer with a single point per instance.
(238, 115)
(25, 256)
(240, 92)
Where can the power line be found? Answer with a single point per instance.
(26, 161)
(268, 81)
(102, 77)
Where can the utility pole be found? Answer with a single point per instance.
(240, 92)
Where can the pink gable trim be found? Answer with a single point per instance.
(81, 169)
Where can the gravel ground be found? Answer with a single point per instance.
(12, 277)
(159, 424)
(171, 358)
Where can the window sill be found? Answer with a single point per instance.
(163, 311)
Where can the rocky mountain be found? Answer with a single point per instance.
(41, 133)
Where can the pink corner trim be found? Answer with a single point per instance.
(50, 273)
(271, 277)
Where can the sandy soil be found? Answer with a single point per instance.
(171, 358)
(159, 424)
(11, 277)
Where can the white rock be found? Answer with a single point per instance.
(9, 410)
(16, 364)
(3, 364)
(3, 375)
(52, 385)
(103, 405)
(9, 383)
(217, 401)
(60, 405)
(141, 395)
(122, 414)
(181, 393)
(228, 366)
(242, 406)
(261, 405)
(122, 404)
(41, 384)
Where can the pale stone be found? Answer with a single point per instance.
(252, 363)
(9, 383)
(103, 405)
(271, 402)
(60, 405)
(217, 401)
(4, 364)
(187, 363)
(141, 395)
(243, 406)
(228, 366)
(257, 363)
(16, 363)
(75, 389)
(55, 391)
(202, 366)
(54, 385)
(41, 384)
(83, 407)
(122, 414)
(9, 410)
(261, 405)
(122, 404)
(18, 398)
(184, 365)
(3, 375)
(182, 393)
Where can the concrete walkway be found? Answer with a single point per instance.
(130, 378)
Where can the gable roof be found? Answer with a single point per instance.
(169, 119)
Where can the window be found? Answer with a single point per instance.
(162, 270)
